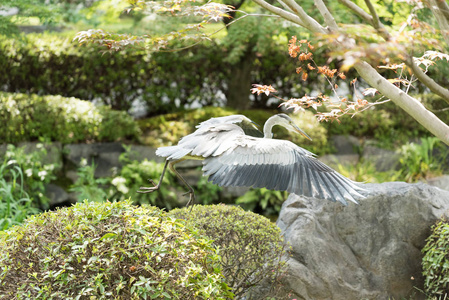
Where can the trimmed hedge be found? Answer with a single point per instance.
(164, 82)
(251, 248)
(108, 251)
(67, 120)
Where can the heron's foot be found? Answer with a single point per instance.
(191, 198)
(144, 190)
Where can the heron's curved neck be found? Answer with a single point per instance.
(267, 128)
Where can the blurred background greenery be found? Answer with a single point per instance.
(53, 90)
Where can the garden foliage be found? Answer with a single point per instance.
(24, 175)
(436, 261)
(131, 177)
(48, 64)
(16, 176)
(108, 251)
(55, 118)
(250, 246)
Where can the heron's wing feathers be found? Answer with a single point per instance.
(279, 165)
(211, 141)
(248, 126)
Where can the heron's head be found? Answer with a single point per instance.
(287, 122)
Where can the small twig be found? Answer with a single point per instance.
(440, 110)
(375, 20)
(358, 10)
(427, 81)
(218, 30)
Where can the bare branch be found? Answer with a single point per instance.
(429, 82)
(220, 29)
(412, 106)
(372, 19)
(376, 22)
(308, 21)
(328, 18)
(284, 5)
(444, 8)
(358, 10)
(280, 12)
(441, 13)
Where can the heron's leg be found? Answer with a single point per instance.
(155, 187)
(191, 191)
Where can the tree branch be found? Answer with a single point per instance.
(372, 19)
(284, 5)
(441, 12)
(280, 12)
(427, 81)
(409, 104)
(376, 22)
(309, 22)
(412, 106)
(358, 10)
(328, 18)
(444, 8)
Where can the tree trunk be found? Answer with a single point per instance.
(239, 84)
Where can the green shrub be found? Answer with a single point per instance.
(250, 246)
(435, 262)
(164, 82)
(108, 251)
(62, 67)
(55, 118)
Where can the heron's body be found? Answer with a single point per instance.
(232, 158)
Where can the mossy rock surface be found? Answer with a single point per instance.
(108, 251)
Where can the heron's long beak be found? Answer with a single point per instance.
(256, 126)
(299, 130)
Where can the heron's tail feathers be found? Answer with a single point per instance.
(172, 152)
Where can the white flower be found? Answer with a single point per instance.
(42, 174)
(120, 183)
(10, 162)
(29, 172)
(83, 162)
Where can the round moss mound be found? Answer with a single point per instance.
(435, 262)
(108, 251)
(251, 248)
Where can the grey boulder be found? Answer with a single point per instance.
(366, 251)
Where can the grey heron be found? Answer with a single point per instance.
(232, 158)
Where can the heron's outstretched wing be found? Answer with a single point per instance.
(211, 141)
(279, 165)
(248, 126)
